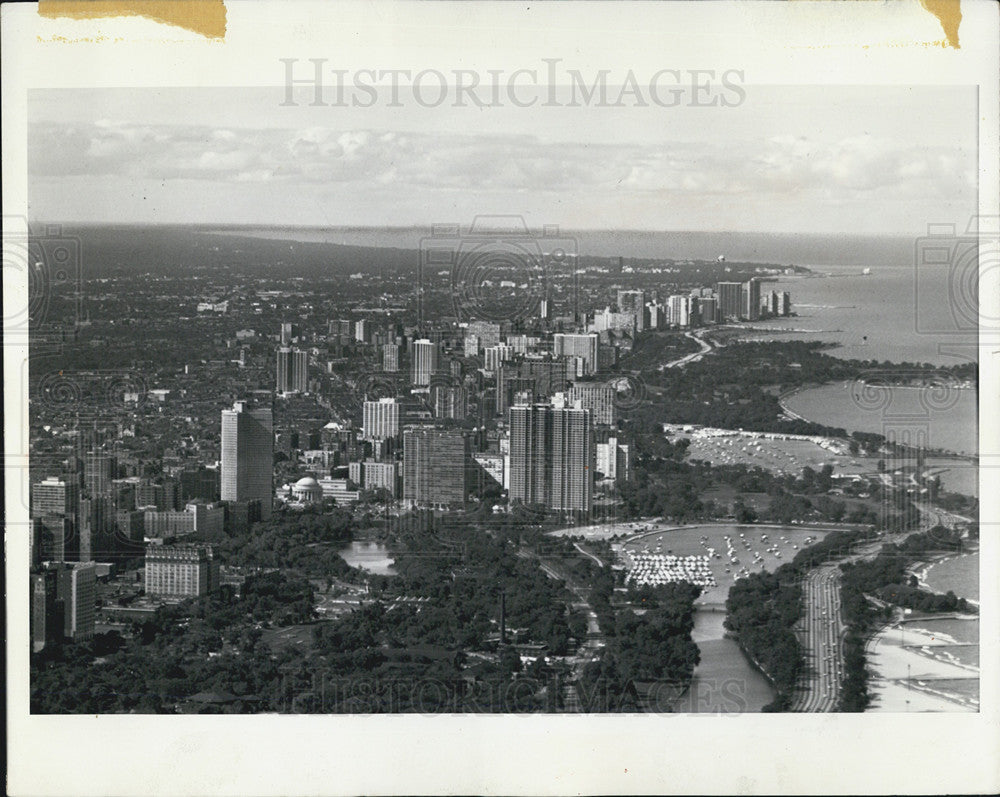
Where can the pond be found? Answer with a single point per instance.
(371, 556)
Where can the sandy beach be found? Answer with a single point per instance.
(914, 671)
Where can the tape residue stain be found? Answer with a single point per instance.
(949, 14)
(206, 17)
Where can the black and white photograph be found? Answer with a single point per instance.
(543, 387)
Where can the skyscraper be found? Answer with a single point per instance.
(449, 401)
(98, 470)
(708, 308)
(633, 302)
(680, 310)
(425, 361)
(543, 376)
(55, 511)
(46, 611)
(380, 419)
(545, 309)
(248, 456)
(64, 597)
(582, 346)
(730, 297)
(390, 358)
(292, 371)
(487, 333)
(552, 457)
(751, 299)
(494, 355)
(435, 467)
(598, 397)
(180, 571)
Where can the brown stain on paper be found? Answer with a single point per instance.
(949, 14)
(207, 17)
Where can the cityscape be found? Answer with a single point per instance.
(512, 484)
(483, 398)
(399, 409)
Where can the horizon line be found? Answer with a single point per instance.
(429, 225)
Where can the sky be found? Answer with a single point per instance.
(852, 159)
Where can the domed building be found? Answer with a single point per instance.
(307, 491)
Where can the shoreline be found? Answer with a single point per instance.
(921, 568)
(935, 453)
(926, 665)
(903, 678)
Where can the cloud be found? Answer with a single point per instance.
(781, 166)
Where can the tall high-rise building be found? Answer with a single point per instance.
(786, 303)
(543, 376)
(54, 496)
(751, 299)
(552, 457)
(435, 467)
(583, 346)
(730, 300)
(390, 358)
(55, 512)
(248, 456)
(598, 397)
(363, 330)
(292, 371)
(487, 333)
(680, 310)
(425, 361)
(380, 419)
(64, 600)
(47, 618)
(708, 309)
(495, 355)
(613, 459)
(449, 401)
(287, 333)
(470, 345)
(180, 571)
(545, 309)
(98, 471)
(634, 302)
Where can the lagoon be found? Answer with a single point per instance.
(371, 556)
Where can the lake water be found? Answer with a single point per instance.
(725, 682)
(371, 556)
(896, 313)
(948, 420)
(960, 574)
(957, 476)
(739, 247)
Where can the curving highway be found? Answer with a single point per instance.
(693, 357)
